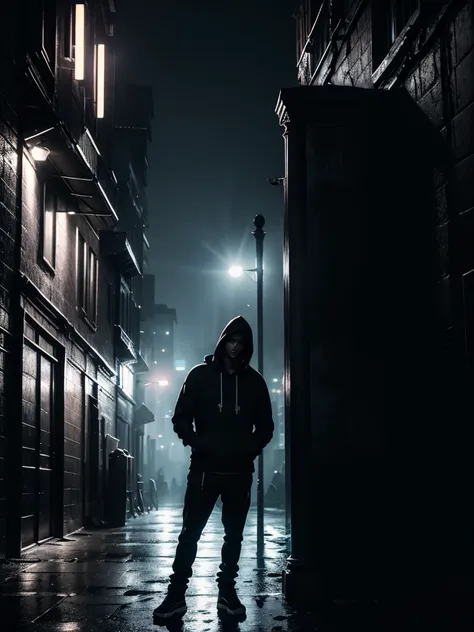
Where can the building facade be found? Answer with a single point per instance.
(159, 388)
(378, 268)
(65, 253)
(132, 133)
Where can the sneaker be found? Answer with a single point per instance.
(170, 606)
(229, 602)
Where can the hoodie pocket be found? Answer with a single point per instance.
(232, 446)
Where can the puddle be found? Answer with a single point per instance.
(135, 593)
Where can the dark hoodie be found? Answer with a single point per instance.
(232, 413)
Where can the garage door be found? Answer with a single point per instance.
(37, 445)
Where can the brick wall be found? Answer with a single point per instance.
(434, 61)
(59, 285)
(437, 70)
(8, 183)
(353, 64)
(73, 448)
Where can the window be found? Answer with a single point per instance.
(91, 294)
(110, 304)
(87, 279)
(125, 308)
(389, 18)
(68, 33)
(100, 81)
(81, 266)
(126, 379)
(48, 42)
(48, 225)
(314, 21)
(79, 42)
(303, 25)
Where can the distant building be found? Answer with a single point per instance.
(159, 388)
(427, 48)
(128, 245)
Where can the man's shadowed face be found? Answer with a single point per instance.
(234, 345)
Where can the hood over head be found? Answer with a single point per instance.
(237, 325)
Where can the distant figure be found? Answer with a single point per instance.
(161, 483)
(140, 501)
(153, 496)
(174, 489)
(275, 495)
(228, 402)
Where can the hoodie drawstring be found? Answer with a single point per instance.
(221, 404)
(237, 407)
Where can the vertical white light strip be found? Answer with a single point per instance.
(100, 80)
(79, 53)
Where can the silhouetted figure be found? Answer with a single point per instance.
(153, 496)
(160, 484)
(140, 501)
(174, 489)
(275, 496)
(228, 402)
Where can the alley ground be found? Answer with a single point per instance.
(111, 580)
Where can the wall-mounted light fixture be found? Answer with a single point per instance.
(100, 80)
(79, 53)
(39, 153)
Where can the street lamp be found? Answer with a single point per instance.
(39, 154)
(259, 234)
(159, 382)
(237, 271)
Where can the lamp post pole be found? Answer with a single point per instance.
(259, 234)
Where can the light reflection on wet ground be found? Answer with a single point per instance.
(111, 581)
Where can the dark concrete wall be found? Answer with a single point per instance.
(436, 69)
(8, 200)
(427, 475)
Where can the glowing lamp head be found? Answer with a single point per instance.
(39, 154)
(235, 271)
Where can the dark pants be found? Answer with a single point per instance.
(202, 492)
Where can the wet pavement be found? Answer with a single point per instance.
(112, 579)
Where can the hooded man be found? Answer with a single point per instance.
(224, 413)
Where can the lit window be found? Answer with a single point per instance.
(100, 74)
(126, 380)
(79, 52)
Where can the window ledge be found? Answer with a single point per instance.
(47, 266)
(126, 396)
(89, 322)
(385, 69)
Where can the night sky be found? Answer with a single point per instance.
(216, 68)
